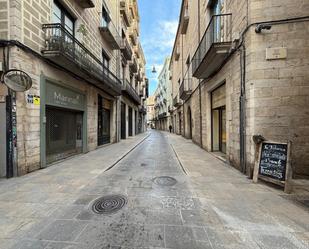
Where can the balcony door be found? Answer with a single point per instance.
(62, 16)
(216, 11)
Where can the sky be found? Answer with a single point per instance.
(158, 25)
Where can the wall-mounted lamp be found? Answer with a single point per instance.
(260, 27)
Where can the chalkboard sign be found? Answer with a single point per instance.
(273, 160)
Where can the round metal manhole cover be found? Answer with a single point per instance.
(109, 204)
(165, 181)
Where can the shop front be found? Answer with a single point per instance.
(104, 119)
(63, 122)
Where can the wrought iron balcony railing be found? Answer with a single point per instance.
(185, 88)
(129, 90)
(176, 101)
(162, 115)
(126, 49)
(214, 46)
(110, 33)
(124, 10)
(133, 65)
(64, 49)
(142, 109)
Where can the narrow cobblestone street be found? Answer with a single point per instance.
(210, 206)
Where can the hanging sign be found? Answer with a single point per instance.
(16, 80)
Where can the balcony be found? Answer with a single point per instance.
(185, 88)
(142, 109)
(176, 102)
(185, 21)
(170, 109)
(66, 51)
(110, 34)
(126, 49)
(86, 3)
(162, 115)
(133, 65)
(129, 90)
(124, 11)
(133, 35)
(141, 92)
(177, 52)
(214, 47)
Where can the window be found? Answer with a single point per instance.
(105, 17)
(60, 15)
(105, 60)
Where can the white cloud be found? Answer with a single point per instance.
(163, 42)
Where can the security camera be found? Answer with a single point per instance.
(260, 27)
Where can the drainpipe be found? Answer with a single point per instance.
(242, 109)
(199, 83)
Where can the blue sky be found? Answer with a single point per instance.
(158, 24)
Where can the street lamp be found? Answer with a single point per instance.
(154, 69)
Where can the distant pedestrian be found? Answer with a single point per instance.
(170, 128)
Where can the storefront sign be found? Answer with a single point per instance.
(60, 96)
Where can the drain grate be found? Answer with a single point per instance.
(165, 181)
(109, 204)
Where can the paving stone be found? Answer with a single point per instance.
(181, 237)
(62, 230)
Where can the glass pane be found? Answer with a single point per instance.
(56, 14)
(68, 24)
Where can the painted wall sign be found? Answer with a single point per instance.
(61, 96)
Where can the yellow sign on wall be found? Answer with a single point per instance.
(36, 100)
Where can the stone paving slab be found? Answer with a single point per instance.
(214, 206)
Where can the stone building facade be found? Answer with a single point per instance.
(150, 112)
(88, 73)
(239, 69)
(163, 98)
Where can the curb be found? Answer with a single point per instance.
(122, 157)
(182, 167)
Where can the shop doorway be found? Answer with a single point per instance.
(103, 121)
(179, 117)
(64, 129)
(190, 122)
(123, 121)
(219, 129)
(130, 122)
(218, 100)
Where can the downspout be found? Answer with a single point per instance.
(242, 109)
(199, 81)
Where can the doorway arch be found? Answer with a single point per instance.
(189, 116)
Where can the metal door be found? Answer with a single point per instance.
(63, 133)
(123, 121)
(130, 122)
